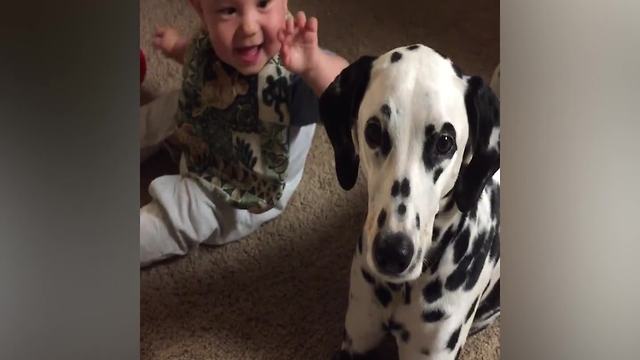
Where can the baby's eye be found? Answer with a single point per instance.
(263, 3)
(227, 11)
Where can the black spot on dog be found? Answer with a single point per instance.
(405, 188)
(360, 244)
(394, 287)
(429, 161)
(435, 234)
(407, 293)
(448, 128)
(494, 253)
(473, 212)
(491, 303)
(429, 130)
(453, 340)
(457, 354)
(385, 147)
(433, 291)
(449, 204)
(395, 56)
(383, 295)
(367, 277)
(461, 245)
(426, 352)
(479, 257)
(443, 243)
(418, 221)
(436, 174)
(395, 189)
(405, 336)
(413, 47)
(382, 217)
(402, 208)
(459, 275)
(394, 325)
(385, 110)
(433, 315)
(471, 309)
(495, 201)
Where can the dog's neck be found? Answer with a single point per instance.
(448, 213)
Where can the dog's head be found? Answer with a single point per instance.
(424, 133)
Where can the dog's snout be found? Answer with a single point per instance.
(392, 253)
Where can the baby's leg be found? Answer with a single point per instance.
(180, 215)
(184, 214)
(157, 122)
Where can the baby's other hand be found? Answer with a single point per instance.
(165, 39)
(299, 43)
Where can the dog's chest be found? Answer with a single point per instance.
(457, 266)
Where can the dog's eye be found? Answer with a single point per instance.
(373, 132)
(444, 144)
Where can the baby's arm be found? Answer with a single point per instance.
(301, 54)
(170, 43)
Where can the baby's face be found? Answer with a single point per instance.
(244, 32)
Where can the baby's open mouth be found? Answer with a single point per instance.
(248, 54)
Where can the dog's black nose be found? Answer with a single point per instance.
(392, 253)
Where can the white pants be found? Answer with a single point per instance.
(184, 214)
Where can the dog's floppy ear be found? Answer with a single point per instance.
(483, 113)
(339, 105)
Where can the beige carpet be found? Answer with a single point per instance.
(282, 292)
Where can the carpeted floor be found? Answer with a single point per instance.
(282, 292)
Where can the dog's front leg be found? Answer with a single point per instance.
(435, 333)
(364, 322)
(442, 349)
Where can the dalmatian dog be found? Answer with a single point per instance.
(426, 267)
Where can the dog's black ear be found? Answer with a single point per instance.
(483, 113)
(339, 105)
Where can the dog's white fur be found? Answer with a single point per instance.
(419, 89)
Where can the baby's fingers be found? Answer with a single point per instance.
(289, 26)
(312, 24)
(301, 20)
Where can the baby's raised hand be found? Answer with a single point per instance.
(299, 43)
(165, 39)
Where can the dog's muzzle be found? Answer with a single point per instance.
(392, 253)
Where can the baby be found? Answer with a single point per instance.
(242, 123)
